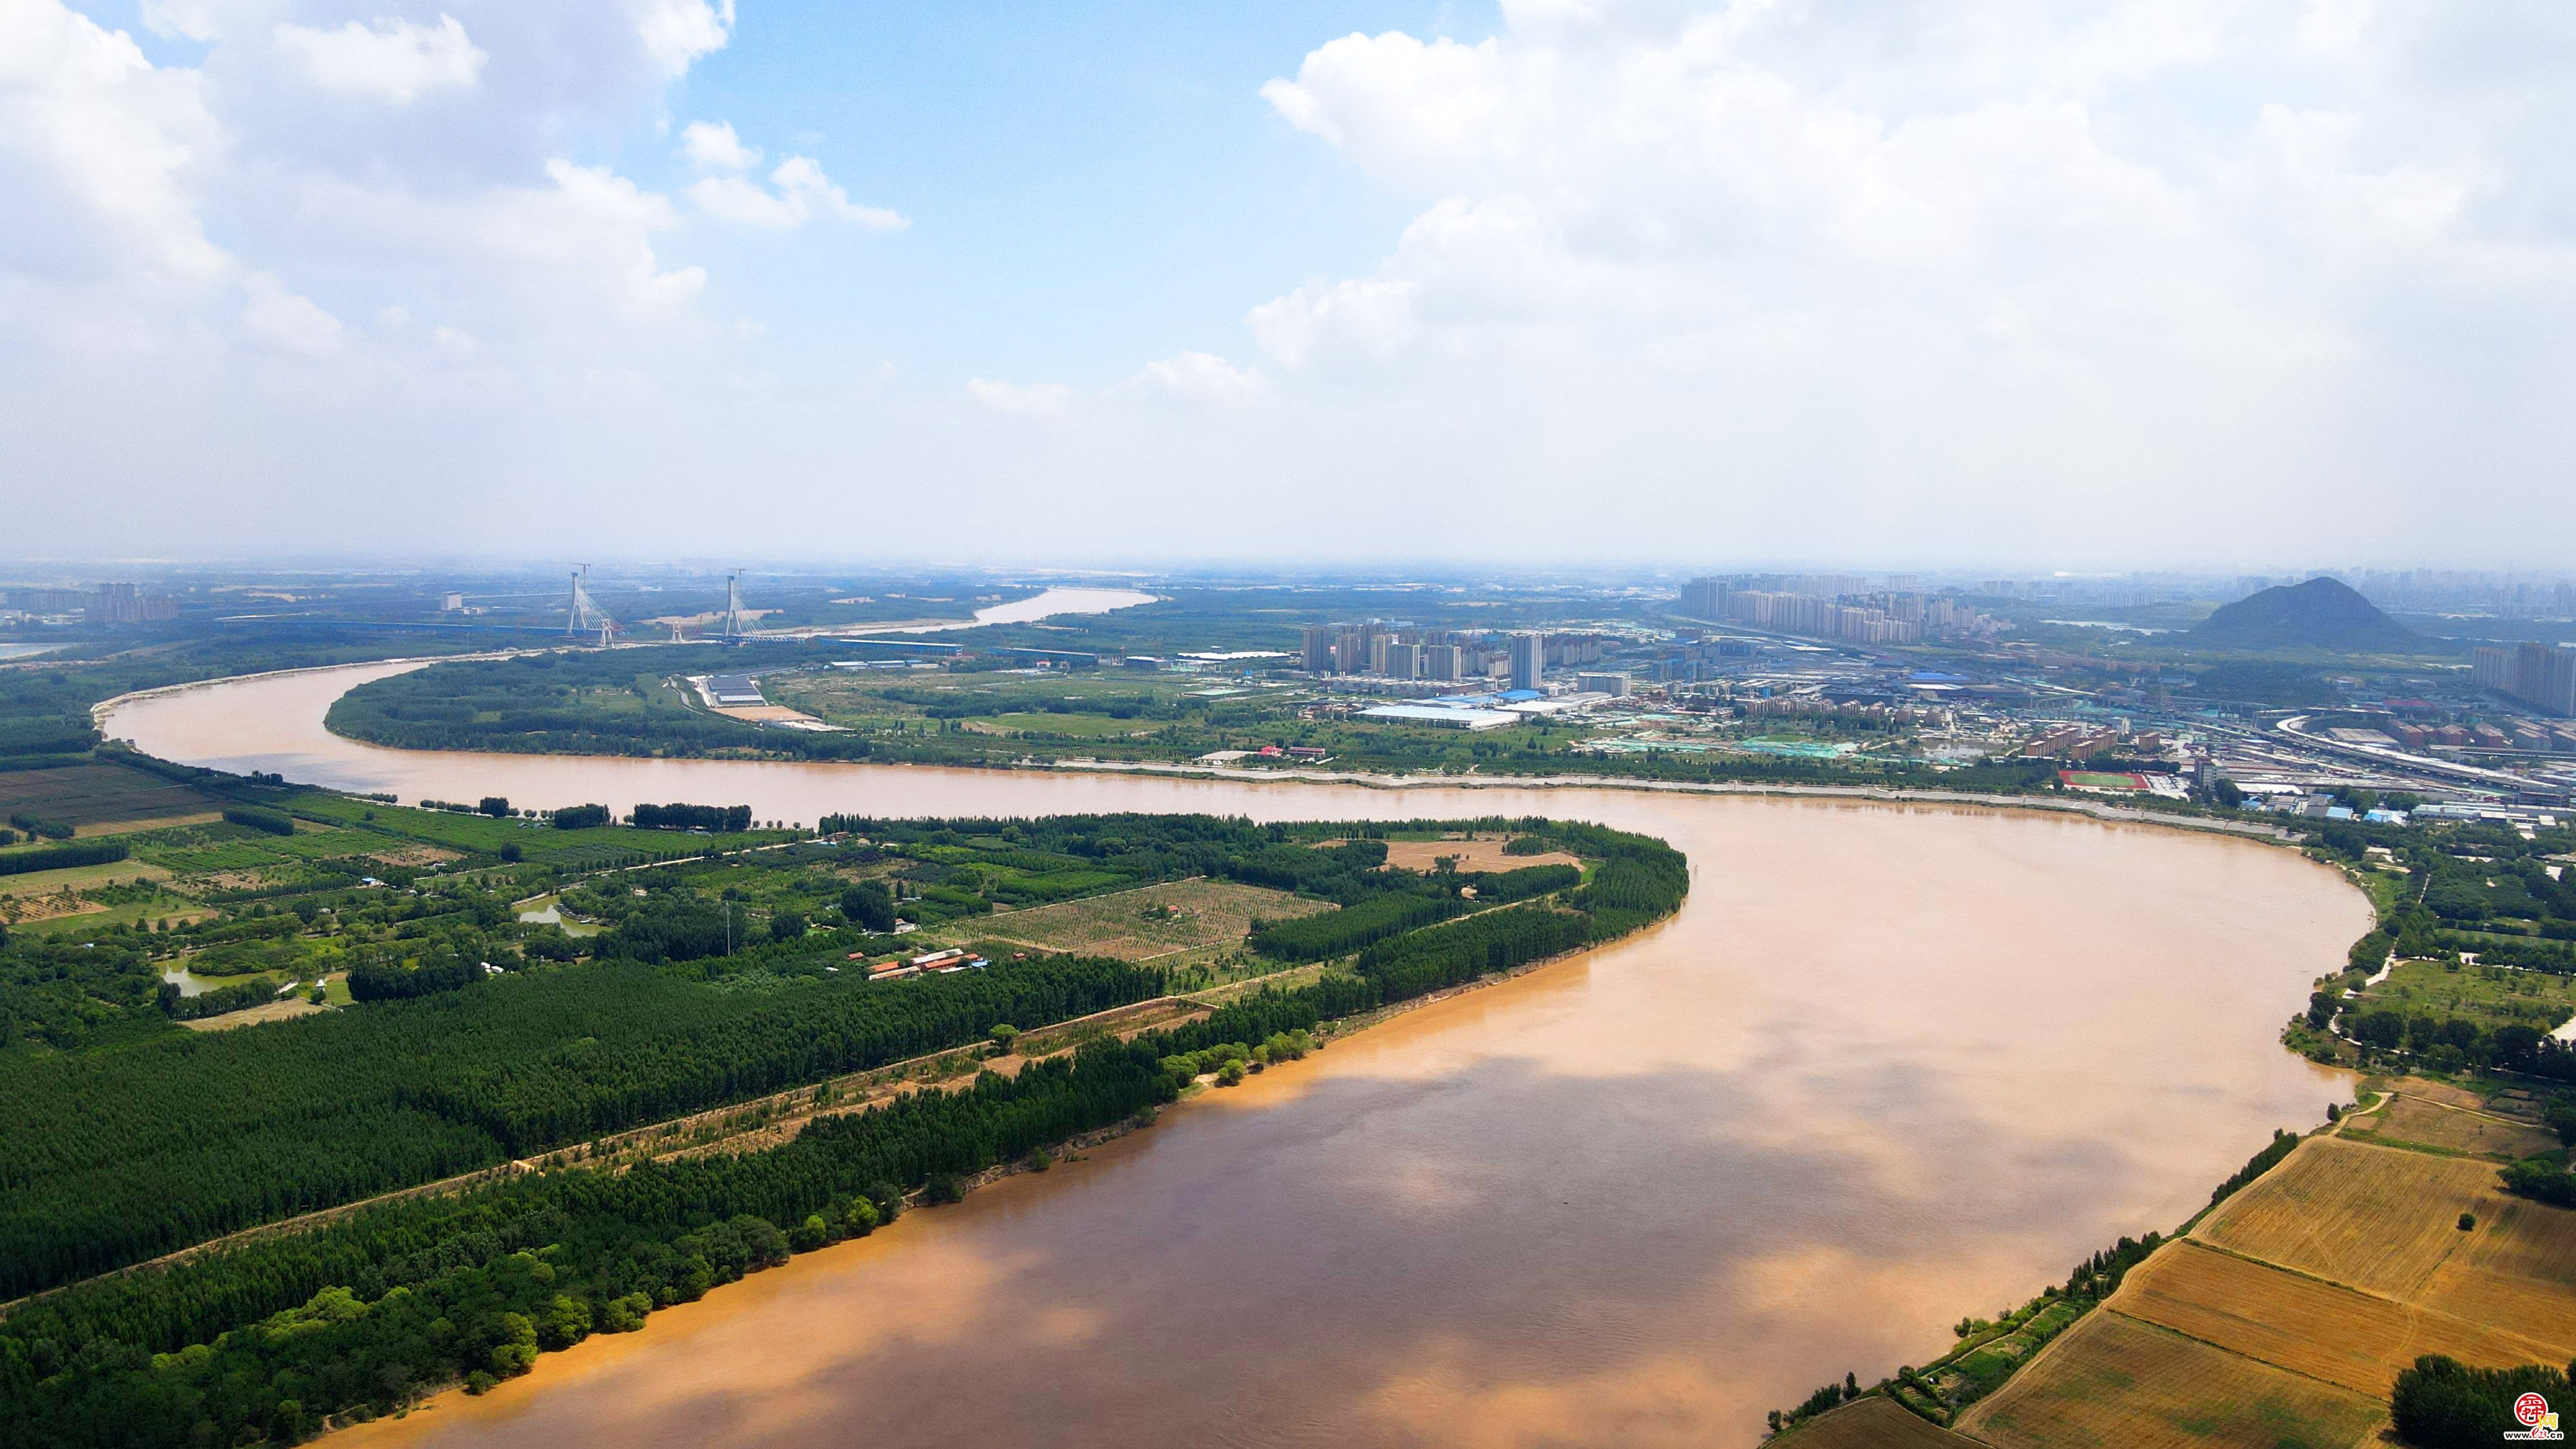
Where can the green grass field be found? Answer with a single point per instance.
(78, 877)
(2099, 780)
(1080, 726)
(543, 844)
(2492, 996)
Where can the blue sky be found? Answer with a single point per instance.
(1089, 188)
(2072, 284)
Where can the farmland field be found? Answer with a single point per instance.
(1479, 853)
(1872, 1423)
(2114, 1381)
(2408, 1119)
(97, 794)
(2375, 1217)
(2288, 1321)
(2519, 1269)
(198, 849)
(1133, 925)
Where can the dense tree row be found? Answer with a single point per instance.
(449, 1288)
(118, 1156)
(2440, 1403)
(722, 819)
(1374, 918)
(1504, 887)
(1439, 957)
(56, 857)
(273, 822)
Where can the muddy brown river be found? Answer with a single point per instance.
(1890, 1065)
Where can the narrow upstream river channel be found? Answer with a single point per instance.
(1891, 1065)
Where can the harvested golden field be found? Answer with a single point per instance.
(2379, 1218)
(1480, 853)
(2517, 1271)
(1872, 1423)
(2441, 1092)
(1156, 920)
(2114, 1381)
(2409, 1119)
(2326, 1332)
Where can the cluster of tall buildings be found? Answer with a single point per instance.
(106, 604)
(2505, 596)
(1396, 652)
(1388, 653)
(1826, 606)
(2540, 675)
(126, 604)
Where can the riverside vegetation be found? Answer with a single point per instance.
(707, 982)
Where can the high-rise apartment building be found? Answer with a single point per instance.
(1529, 660)
(1319, 649)
(1400, 661)
(2540, 675)
(1443, 661)
(1351, 650)
(116, 604)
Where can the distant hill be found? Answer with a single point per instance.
(2319, 614)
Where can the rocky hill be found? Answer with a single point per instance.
(2319, 614)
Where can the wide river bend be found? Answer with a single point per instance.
(1891, 1064)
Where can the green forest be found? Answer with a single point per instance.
(695, 985)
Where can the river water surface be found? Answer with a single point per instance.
(1890, 1065)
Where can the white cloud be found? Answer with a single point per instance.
(595, 226)
(1204, 377)
(392, 60)
(802, 193)
(283, 319)
(1028, 400)
(1368, 316)
(677, 32)
(713, 144)
(99, 154)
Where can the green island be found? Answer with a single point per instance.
(490, 1136)
(640, 702)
